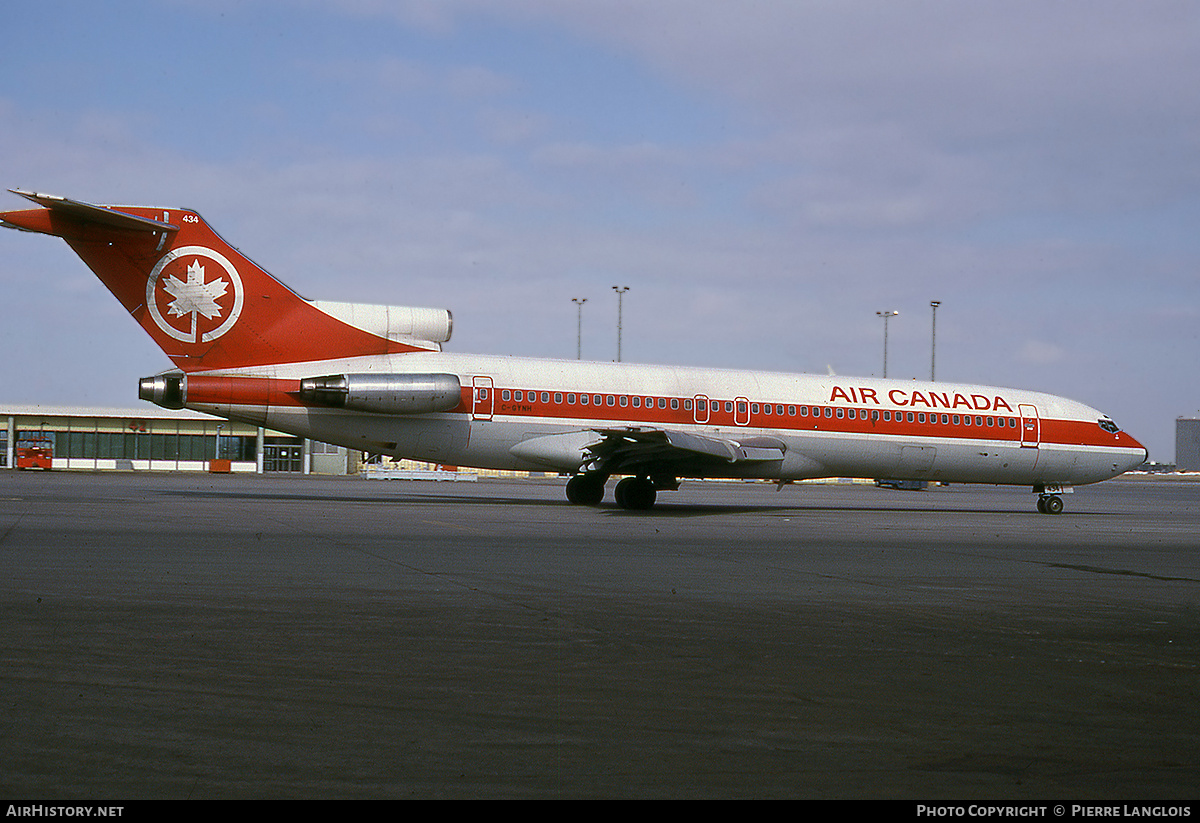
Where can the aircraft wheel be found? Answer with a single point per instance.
(1050, 504)
(635, 493)
(583, 490)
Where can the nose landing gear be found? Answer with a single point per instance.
(1050, 504)
(1049, 501)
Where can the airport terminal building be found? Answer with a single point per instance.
(155, 439)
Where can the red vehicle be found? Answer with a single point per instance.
(35, 453)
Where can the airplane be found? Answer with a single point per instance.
(375, 378)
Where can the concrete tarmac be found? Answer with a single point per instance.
(186, 636)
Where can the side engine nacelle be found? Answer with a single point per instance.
(384, 393)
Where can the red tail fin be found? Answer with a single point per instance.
(206, 305)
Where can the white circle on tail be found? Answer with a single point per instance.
(199, 302)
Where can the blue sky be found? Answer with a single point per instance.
(764, 176)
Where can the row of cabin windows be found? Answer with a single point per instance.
(572, 399)
(932, 418)
(637, 402)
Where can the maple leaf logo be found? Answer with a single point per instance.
(212, 306)
(193, 296)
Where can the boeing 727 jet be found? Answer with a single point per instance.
(375, 378)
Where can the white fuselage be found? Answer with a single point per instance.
(830, 426)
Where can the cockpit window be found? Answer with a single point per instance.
(1108, 425)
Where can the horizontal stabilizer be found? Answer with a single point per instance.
(82, 212)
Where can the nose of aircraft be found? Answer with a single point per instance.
(1138, 454)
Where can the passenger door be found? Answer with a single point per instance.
(483, 397)
(1031, 427)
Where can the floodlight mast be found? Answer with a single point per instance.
(886, 315)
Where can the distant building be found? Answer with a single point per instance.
(1187, 444)
(156, 439)
(151, 438)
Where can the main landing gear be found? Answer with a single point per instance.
(586, 489)
(635, 493)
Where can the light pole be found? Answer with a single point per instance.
(579, 301)
(886, 315)
(620, 290)
(933, 304)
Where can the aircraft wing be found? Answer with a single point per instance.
(636, 450)
(630, 450)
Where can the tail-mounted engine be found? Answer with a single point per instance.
(378, 393)
(384, 393)
(166, 390)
